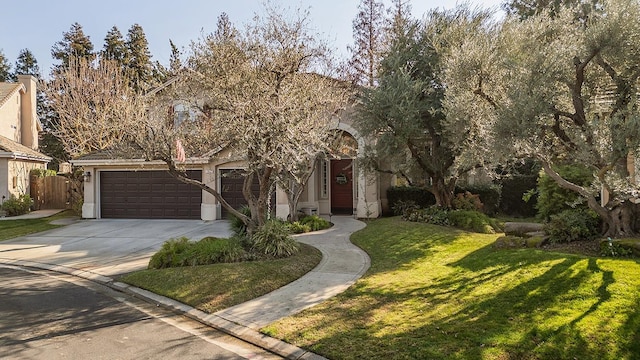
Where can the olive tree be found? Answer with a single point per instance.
(560, 90)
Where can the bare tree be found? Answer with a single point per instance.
(96, 107)
(262, 96)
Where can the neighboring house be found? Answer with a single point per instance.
(19, 127)
(135, 188)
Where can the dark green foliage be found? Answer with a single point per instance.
(315, 222)
(115, 47)
(5, 68)
(274, 239)
(490, 196)
(473, 221)
(573, 225)
(139, 58)
(467, 201)
(432, 215)
(421, 197)
(210, 250)
(614, 248)
(513, 189)
(402, 206)
(172, 254)
(15, 206)
(237, 226)
(74, 43)
(552, 199)
(26, 64)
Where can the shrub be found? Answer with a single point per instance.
(15, 206)
(614, 249)
(573, 225)
(467, 201)
(431, 215)
(172, 254)
(489, 196)
(402, 206)
(473, 221)
(422, 197)
(211, 250)
(237, 226)
(552, 199)
(42, 172)
(298, 228)
(315, 222)
(274, 239)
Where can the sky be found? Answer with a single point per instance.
(39, 24)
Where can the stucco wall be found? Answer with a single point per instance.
(10, 114)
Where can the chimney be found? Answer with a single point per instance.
(29, 119)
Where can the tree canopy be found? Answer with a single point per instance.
(560, 90)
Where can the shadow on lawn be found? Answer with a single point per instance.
(549, 315)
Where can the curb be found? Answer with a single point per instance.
(241, 332)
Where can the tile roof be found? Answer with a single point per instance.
(17, 149)
(8, 89)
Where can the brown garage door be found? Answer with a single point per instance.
(148, 195)
(231, 182)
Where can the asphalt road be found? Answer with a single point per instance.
(47, 316)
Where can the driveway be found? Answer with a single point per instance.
(107, 247)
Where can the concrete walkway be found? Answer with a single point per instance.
(98, 250)
(34, 214)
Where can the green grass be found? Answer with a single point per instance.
(214, 287)
(13, 228)
(437, 293)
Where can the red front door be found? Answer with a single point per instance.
(342, 186)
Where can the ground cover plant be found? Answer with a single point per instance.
(13, 228)
(214, 287)
(438, 293)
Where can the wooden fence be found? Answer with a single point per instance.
(50, 192)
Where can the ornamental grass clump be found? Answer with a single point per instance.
(274, 239)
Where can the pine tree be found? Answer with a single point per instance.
(368, 36)
(140, 67)
(115, 47)
(26, 64)
(5, 68)
(175, 62)
(74, 43)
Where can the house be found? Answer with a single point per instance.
(118, 187)
(19, 127)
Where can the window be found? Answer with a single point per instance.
(324, 181)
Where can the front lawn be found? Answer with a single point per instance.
(13, 228)
(215, 287)
(437, 293)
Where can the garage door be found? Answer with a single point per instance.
(231, 182)
(148, 195)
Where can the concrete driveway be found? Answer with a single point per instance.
(107, 246)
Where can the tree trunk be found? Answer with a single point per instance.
(617, 218)
(443, 192)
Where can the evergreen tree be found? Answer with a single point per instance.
(140, 67)
(368, 37)
(115, 47)
(5, 68)
(74, 43)
(175, 63)
(26, 64)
